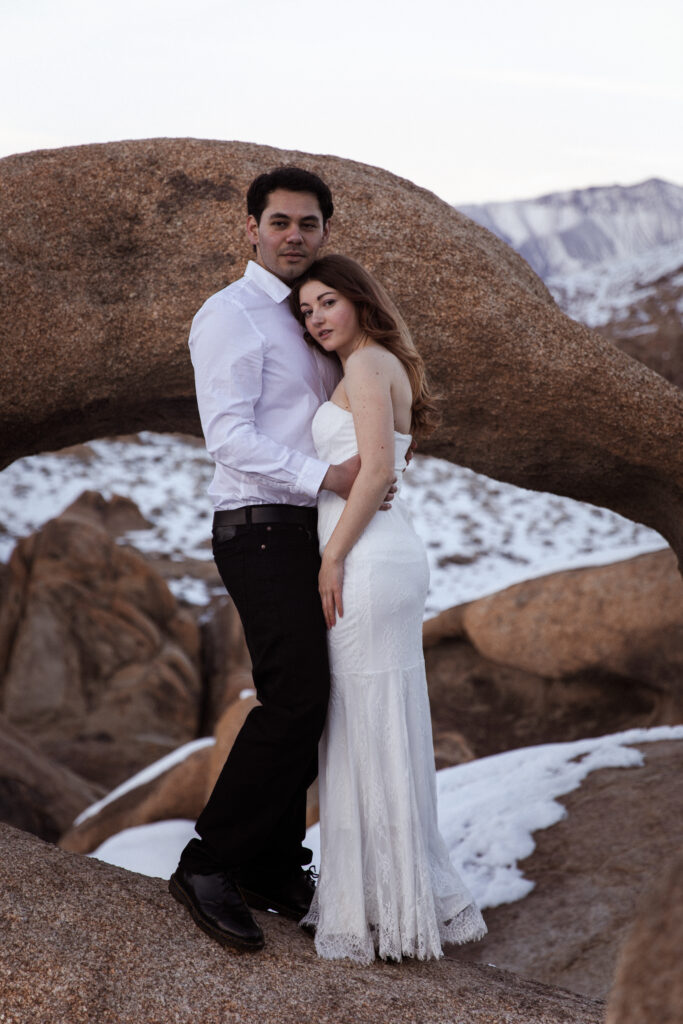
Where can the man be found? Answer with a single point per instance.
(258, 386)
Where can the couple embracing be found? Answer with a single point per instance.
(309, 391)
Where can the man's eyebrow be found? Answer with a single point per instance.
(287, 216)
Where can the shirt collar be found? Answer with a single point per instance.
(267, 282)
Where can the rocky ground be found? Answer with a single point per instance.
(590, 871)
(82, 941)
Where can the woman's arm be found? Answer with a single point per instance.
(368, 386)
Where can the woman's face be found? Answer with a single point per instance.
(330, 318)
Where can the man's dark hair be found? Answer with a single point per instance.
(293, 179)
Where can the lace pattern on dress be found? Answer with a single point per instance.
(387, 886)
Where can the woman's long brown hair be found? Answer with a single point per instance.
(379, 319)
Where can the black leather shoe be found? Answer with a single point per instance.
(291, 896)
(217, 906)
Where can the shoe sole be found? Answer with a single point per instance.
(258, 902)
(233, 942)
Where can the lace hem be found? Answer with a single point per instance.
(467, 926)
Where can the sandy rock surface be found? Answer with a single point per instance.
(649, 981)
(117, 515)
(107, 251)
(81, 941)
(591, 871)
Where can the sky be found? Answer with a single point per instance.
(475, 101)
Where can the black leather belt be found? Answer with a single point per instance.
(302, 515)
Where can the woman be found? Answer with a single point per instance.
(386, 882)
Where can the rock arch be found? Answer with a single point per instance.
(106, 251)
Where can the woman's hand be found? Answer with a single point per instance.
(330, 582)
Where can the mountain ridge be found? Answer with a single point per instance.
(564, 232)
(611, 256)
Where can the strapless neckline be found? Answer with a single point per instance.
(348, 412)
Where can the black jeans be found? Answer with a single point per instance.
(255, 819)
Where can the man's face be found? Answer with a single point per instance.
(289, 234)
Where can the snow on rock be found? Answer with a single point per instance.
(481, 535)
(148, 849)
(152, 771)
(488, 812)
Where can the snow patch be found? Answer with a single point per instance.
(489, 810)
(148, 849)
(481, 535)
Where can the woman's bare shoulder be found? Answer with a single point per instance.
(371, 358)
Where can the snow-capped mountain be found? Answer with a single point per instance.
(612, 258)
(565, 232)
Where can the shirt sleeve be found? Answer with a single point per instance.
(227, 354)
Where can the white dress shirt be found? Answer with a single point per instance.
(258, 386)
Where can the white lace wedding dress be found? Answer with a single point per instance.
(387, 886)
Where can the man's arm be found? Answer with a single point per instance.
(339, 478)
(227, 355)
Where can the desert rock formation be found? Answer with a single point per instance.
(102, 276)
(568, 656)
(38, 794)
(626, 618)
(119, 949)
(497, 707)
(98, 664)
(574, 654)
(179, 792)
